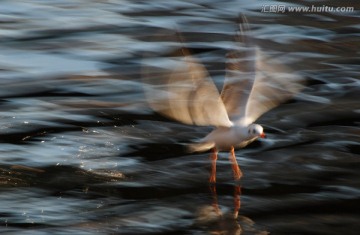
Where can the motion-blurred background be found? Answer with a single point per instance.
(81, 152)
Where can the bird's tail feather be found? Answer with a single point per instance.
(200, 147)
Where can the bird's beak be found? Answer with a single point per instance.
(262, 135)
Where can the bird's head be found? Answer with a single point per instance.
(255, 130)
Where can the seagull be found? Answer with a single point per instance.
(253, 85)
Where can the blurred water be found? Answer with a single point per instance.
(82, 153)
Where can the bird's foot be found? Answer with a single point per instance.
(234, 165)
(237, 172)
(212, 179)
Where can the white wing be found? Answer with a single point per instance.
(274, 84)
(255, 84)
(240, 74)
(185, 93)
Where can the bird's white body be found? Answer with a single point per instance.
(224, 138)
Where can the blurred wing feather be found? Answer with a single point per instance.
(240, 74)
(186, 94)
(255, 84)
(275, 83)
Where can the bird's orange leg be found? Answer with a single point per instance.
(213, 158)
(235, 167)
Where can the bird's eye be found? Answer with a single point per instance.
(253, 131)
(249, 131)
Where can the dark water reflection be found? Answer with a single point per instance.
(82, 153)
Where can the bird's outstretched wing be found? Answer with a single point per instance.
(275, 83)
(185, 92)
(254, 84)
(240, 73)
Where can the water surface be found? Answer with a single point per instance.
(81, 152)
